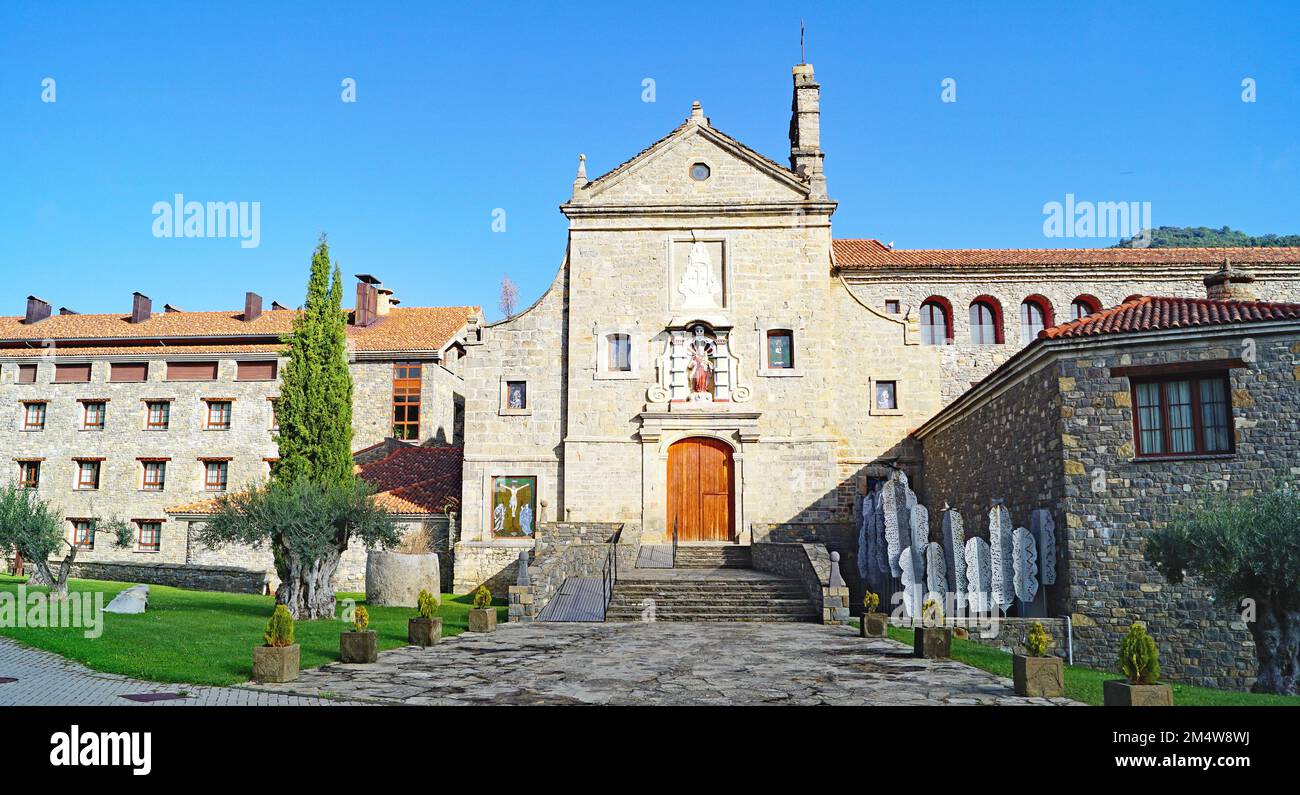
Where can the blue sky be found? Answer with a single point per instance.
(465, 108)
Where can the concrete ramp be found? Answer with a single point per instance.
(579, 599)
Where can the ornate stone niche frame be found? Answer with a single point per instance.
(638, 346)
(660, 430)
(503, 408)
(796, 326)
(672, 383)
(713, 251)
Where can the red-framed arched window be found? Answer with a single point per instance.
(986, 321)
(1035, 315)
(1133, 297)
(936, 321)
(1084, 305)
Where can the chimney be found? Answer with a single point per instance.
(63, 310)
(37, 310)
(384, 301)
(141, 308)
(367, 300)
(170, 308)
(252, 306)
(1229, 284)
(805, 130)
(276, 306)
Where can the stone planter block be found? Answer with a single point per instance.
(424, 631)
(359, 647)
(274, 664)
(483, 619)
(1121, 693)
(874, 625)
(932, 642)
(1038, 676)
(395, 579)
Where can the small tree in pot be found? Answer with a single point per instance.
(873, 625)
(932, 639)
(1139, 660)
(278, 659)
(425, 630)
(1035, 673)
(361, 645)
(483, 616)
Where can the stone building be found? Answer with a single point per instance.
(131, 415)
(1118, 423)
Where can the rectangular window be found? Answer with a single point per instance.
(71, 373)
(128, 372)
(34, 417)
(255, 371)
(620, 352)
(275, 414)
(1187, 415)
(83, 533)
(29, 474)
(88, 475)
(886, 394)
(406, 399)
(93, 412)
(218, 415)
(26, 373)
(149, 537)
(158, 416)
(892, 306)
(514, 506)
(517, 395)
(155, 475)
(214, 475)
(191, 371)
(780, 350)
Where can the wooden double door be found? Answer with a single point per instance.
(701, 490)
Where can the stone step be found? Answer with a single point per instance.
(674, 601)
(695, 587)
(727, 557)
(662, 615)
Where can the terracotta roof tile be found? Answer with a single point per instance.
(1153, 313)
(865, 254)
(403, 329)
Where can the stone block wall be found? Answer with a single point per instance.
(810, 565)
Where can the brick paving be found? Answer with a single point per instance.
(46, 679)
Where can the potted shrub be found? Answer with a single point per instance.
(277, 660)
(426, 629)
(1139, 660)
(483, 616)
(932, 639)
(1035, 673)
(873, 624)
(361, 645)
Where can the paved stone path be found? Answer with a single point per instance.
(45, 679)
(660, 663)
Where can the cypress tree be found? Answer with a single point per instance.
(314, 408)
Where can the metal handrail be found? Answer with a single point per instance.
(609, 571)
(674, 542)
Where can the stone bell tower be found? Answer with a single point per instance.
(805, 130)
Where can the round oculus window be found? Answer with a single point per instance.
(699, 172)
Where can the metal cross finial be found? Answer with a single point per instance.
(803, 55)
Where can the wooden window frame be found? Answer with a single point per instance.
(40, 406)
(945, 308)
(67, 367)
(1193, 377)
(224, 468)
(229, 411)
(82, 484)
(24, 369)
(158, 484)
(893, 306)
(29, 474)
(85, 415)
(113, 371)
(156, 533)
(78, 541)
(408, 382)
(149, 424)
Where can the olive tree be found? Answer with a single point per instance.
(1247, 551)
(35, 529)
(307, 526)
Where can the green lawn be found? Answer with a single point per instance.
(1084, 684)
(207, 637)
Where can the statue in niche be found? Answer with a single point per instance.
(701, 351)
(698, 286)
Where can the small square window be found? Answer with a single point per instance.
(155, 475)
(26, 373)
(93, 415)
(516, 395)
(34, 417)
(29, 474)
(892, 306)
(218, 415)
(780, 350)
(88, 475)
(149, 538)
(620, 353)
(159, 415)
(887, 395)
(83, 534)
(215, 475)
